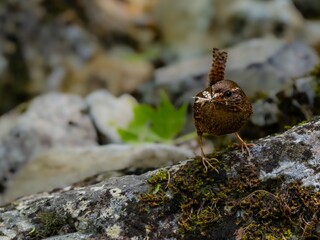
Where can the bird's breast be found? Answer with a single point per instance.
(216, 120)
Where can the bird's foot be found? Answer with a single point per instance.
(206, 163)
(205, 160)
(245, 147)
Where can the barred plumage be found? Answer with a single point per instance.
(221, 108)
(219, 60)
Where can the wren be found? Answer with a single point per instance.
(221, 108)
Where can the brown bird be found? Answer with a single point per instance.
(221, 108)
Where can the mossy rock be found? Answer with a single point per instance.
(214, 205)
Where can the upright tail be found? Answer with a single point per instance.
(219, 59)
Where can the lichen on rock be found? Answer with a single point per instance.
(273, 196)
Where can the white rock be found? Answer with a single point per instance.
(51, 120)
(311, 32)
(264, 113)
(62, 167)
(110, 113)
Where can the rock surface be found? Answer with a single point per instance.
(132, 19)
(119, 208)
(251, 19)
(60, 47)
(269, 65)
(106, 71)
(312, 33)
(259, 65)
(84, 36)
(110, 113)
(223, 23)
(49, 121)
(177, 37)
(61, 167)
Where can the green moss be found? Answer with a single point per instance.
(194, 194)
(315, 72)
(211, 203)
(259, 95)
(256, 231)
(49, 223)
(302, 123)
(23, 107)
(157, 192)
(287, 127)
(198, 195)
(160, 177)
(292, 209)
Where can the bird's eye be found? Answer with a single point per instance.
(228, 93)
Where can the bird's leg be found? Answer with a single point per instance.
(205, 160)
(244, 145)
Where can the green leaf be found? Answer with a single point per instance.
(127, 136)
(138, 134)
(143, 115)
(168, 121)
(157, 188)
(160, 124)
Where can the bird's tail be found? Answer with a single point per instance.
(219, 59)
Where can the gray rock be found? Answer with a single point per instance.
(61, 167)
(264, 113)
(177, 37)
(182, 80)
(114, 209)
(47, 53)
(52, 120)
(311, 34)
(295, 102)
(72, 236)
(223, 23)
(111, 17)
(296, 154)
(110, 113)
(245, 19)
(307, 85)
(269, 65)
(9, 120)
(258, 66)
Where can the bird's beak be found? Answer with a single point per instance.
(217, 97)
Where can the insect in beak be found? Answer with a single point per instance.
(217, 98)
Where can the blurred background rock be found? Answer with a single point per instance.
(80, 46)
(119, 53)
(70, 47)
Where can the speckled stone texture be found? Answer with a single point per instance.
(112, 209)
(294, 154)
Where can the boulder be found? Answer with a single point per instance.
(110, 113)
(272, 195)
(49, 121)
(269, 65)
(263, 65)
(61, 167)
(179, 41)
(246, 19)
